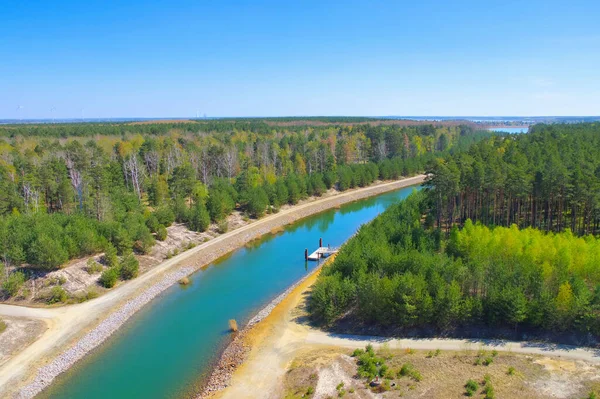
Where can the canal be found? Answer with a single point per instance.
(166, 350)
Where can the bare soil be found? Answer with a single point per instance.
(443, 376)
(19, 333)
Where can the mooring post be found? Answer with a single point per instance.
(320, 242)
(306, 254)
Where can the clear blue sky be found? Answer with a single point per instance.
(299, 57)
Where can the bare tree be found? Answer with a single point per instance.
(135, 170)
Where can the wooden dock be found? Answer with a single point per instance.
(322, 252)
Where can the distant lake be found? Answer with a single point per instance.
(511, 130)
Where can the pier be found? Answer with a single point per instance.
(321, 252)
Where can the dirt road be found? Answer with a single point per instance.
(69, 323)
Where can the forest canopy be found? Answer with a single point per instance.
(74, 190)
(396, 272)
(502, 235)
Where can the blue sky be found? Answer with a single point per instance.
(276, 58)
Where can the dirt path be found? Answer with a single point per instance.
(67, 324)
(284, 335)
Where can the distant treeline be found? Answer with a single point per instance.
(398, 272)
(262, 126)
(61, 199)
(548, 179)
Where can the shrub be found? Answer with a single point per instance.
(152, 223)
(109, 277)
(161, 233)
(93, 267)
(511, 371)
(129, 267)
(406, 370)
(199, 218)
(2, 326)
(494, 353)
(488, 360)
(165, 216)
(592, 395)
(13, 283)
(110, 256)
(488, 390)
(223, 226)
(57, 295)
(310, 391)
(383, 370)
(91, 294)
(471, 387)
(357, 352)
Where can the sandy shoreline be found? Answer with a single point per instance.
(70, 324)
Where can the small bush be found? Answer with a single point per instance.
(93, 267)
(438, 352)
(511, 371)
(2, 326)
(110, 256)
(369, 350)
(383, 370)
(57, 295)
(488, 390)
(109, 277)
(592, 395)
(13, 283)
(357, 352)
(351, 390)
(494, 353)
(488, 360)
(223, 226)
(310, 391)
(129, 267)
(471, 387)
(406, 370)
(161, 233)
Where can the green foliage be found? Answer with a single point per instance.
(471, 387)
(129, 267)
(511, 371)
(109, 277)
(110, 256)
(2, 326)
(497, 276)
(129, 179)
(199, 219)
(165, 216)
(57, 295)
(93, 267)
(13, 283)
(546, 179)
(161, 233)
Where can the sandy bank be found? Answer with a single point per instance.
(68, 326)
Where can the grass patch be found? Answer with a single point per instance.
(2, 326)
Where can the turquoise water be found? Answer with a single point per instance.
(167, 348)
(511, 130)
